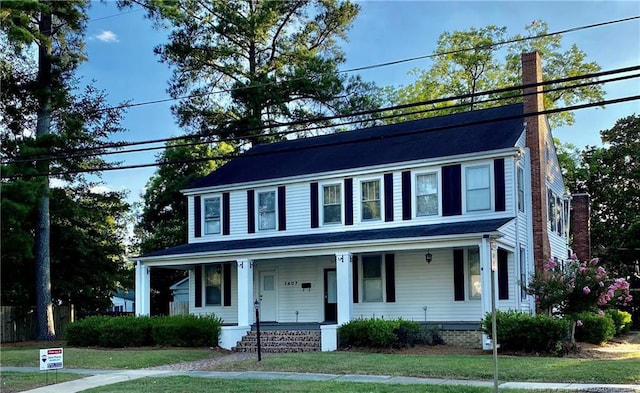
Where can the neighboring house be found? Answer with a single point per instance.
(396, 221)
(123, 301)
(180, 291)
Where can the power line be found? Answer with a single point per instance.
(253, 154)
(84, 152)
(263, 85)
(490, 46)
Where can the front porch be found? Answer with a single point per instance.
(317, 289)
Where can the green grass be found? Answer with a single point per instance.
(28, 356)
(19, 381)
(510, 368)
(202, 385)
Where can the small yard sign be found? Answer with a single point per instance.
(51, 358)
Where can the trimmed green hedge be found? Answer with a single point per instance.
(519, 331)
(595, 329)
(382, 333)
(131, 331)
(621, 321)
(186, 331)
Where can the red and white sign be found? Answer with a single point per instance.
(51, 359)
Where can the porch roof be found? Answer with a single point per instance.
(275, 242)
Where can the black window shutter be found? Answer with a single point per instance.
(226, 284)
(390, 273)
(197, 216)
(315, 219)
(498, 177)
(388, 196)
(354, 265)
(282, 212)
(226, 214)
(198, 285)
(451, 190)
(458, 275)
(406, 195)
(503, 274)
(251, 211)
(348, 201)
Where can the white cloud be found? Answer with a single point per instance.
(100, 189)
(107, 36)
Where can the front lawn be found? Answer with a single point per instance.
(105, 358)
(510, 368)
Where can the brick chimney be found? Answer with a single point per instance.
(581, 225)
(536, 129)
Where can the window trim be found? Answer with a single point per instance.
(322, 203)
(382, 278)
(380, 195)
(471, 296)
(203, 214)
(523, 273)
(414, 191)
(273, 191)
(219, 270)
(490, 190)
(520, 190)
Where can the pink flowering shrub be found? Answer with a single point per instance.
(577, 287)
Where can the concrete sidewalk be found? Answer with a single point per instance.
(107, 377)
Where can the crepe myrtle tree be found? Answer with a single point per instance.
(577, 287)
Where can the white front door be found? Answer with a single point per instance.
(267, 295)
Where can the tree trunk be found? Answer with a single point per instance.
(44, 309)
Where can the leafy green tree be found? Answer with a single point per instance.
(612, 179)
(242, 65)
(466, 62)
(48, 121)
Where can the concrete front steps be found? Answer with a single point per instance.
(281, 341)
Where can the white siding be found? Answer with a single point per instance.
(298, 205)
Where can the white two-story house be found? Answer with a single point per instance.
(408, 221)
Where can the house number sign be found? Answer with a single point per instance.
(291, 283)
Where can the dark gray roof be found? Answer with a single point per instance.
(462, 133)
(420, 231)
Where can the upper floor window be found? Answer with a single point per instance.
(478, 188)
(372, 278)
(520, 181)
(370, 200)
(213, 285)
(427, 194)
(212, 216)
(331, 204)
(551, 200)
(475, 282)
(267, 210)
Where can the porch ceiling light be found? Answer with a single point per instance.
(428, 257)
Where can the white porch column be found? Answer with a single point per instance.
(143, 290)
(485, 275)
(245, 292)
(344, 277)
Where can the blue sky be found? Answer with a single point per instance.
(121, 60)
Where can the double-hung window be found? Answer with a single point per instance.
(520, 181)
(370, 200)
(478, 188)
(331, 204)
(475, 281)
(372, 278)
(213, 285)
(267, 210)
(427, 194)
(212, 216)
